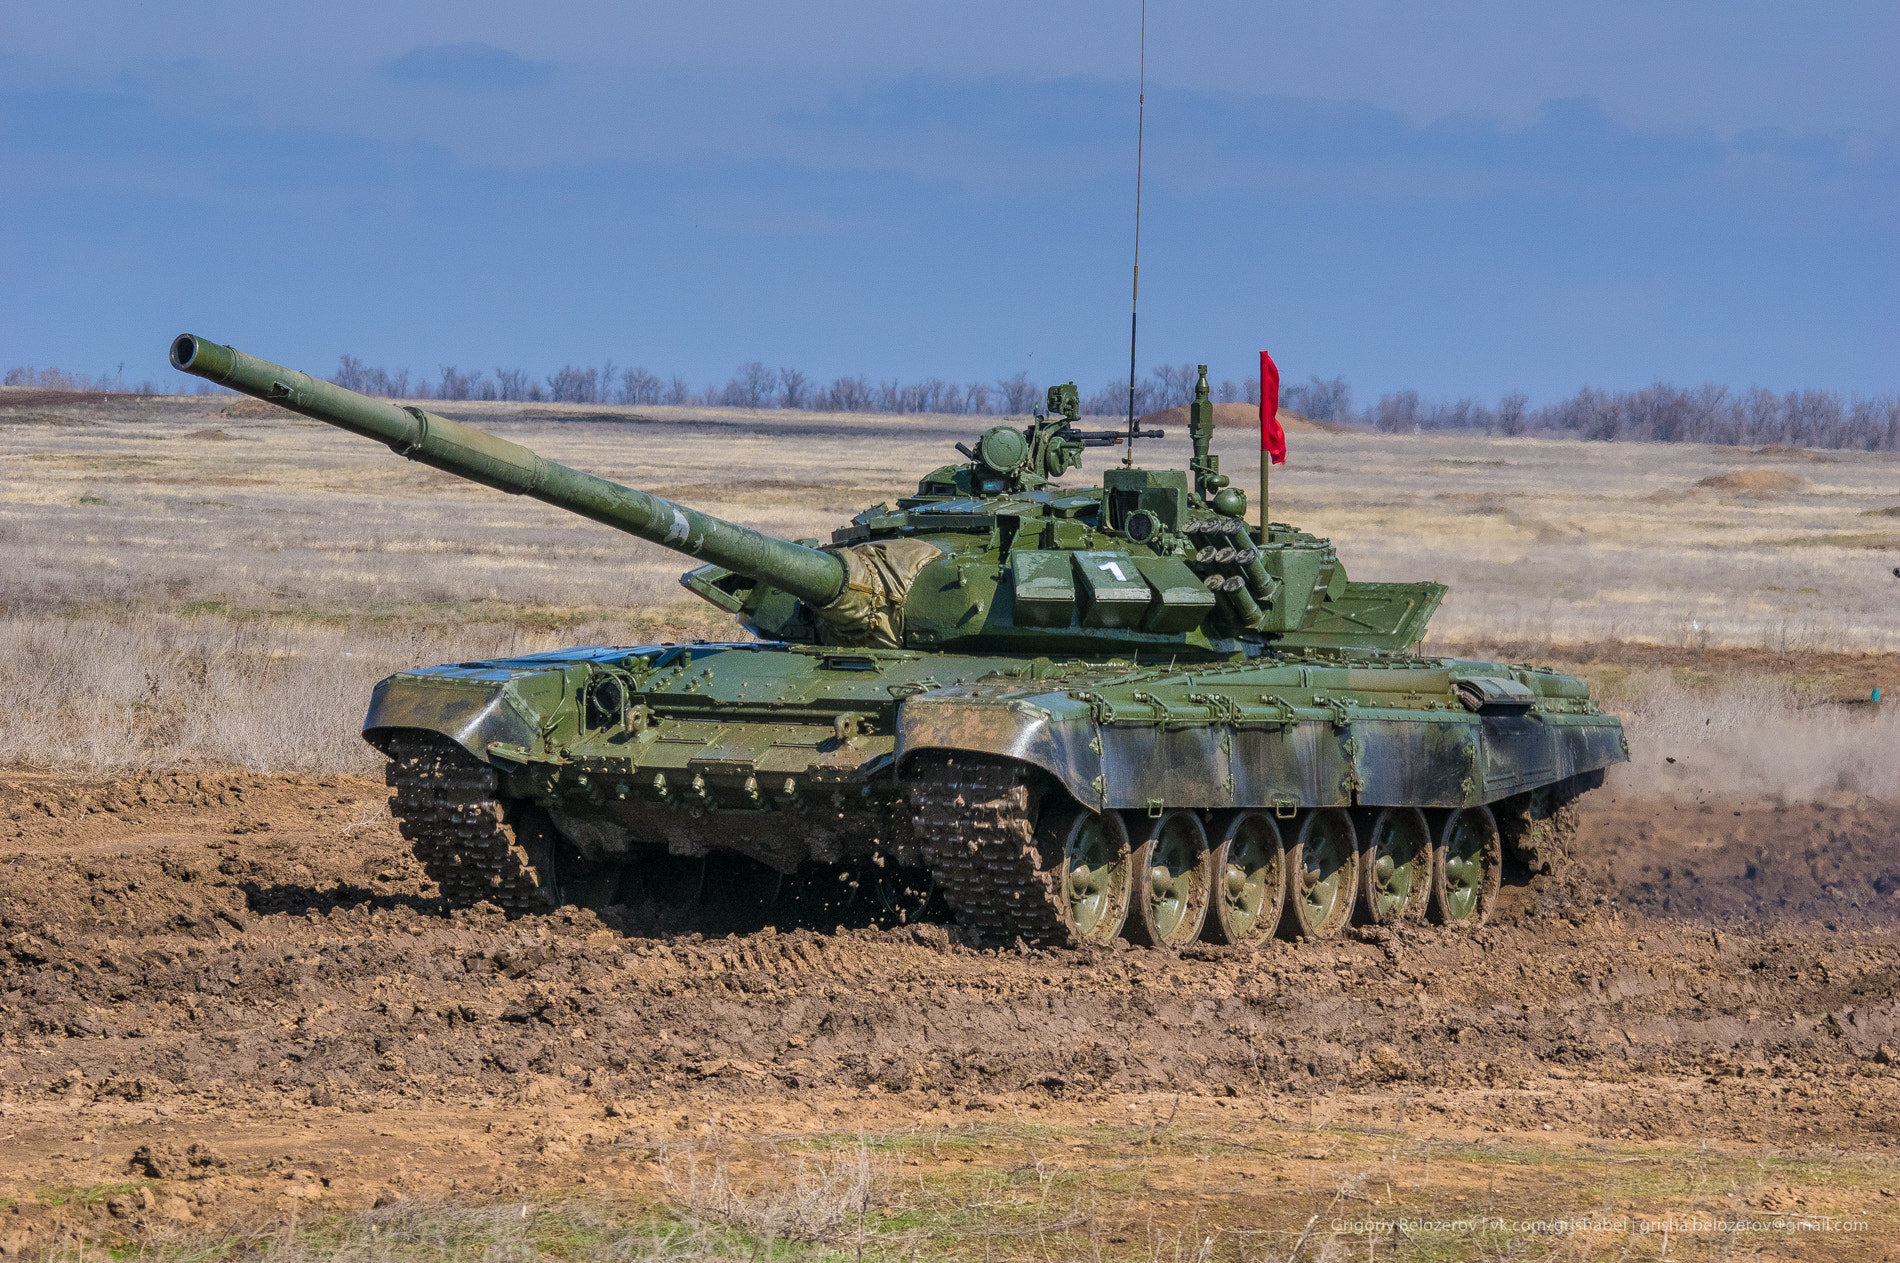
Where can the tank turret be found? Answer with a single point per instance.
(989, 555)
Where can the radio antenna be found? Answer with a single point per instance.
(1134, 301)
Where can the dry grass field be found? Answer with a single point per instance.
(212, 581)
(190, 506)
(236, 1021)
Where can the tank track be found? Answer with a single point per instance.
(975, 822)
(444, 802)
(1540, 827)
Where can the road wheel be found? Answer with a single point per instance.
(1322, 869)
(1466, 864)
(1172, 876)
(554, 867)
(1395, 867)
(1095, 875)
(1249, 871)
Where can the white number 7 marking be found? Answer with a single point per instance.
(1114, 568)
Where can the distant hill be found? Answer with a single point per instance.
(1248, 414)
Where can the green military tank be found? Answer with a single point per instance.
(1071, 712)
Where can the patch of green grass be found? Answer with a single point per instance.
(87, 1194)
(94, 500)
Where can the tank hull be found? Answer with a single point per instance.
(795, 754)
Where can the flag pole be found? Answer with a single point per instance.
(1266, 457)
(1134, 300)
(1266, 463)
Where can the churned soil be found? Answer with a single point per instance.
(230, 997)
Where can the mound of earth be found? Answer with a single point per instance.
(1753, 482)
(1239, 414)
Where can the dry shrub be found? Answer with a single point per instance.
(1753, 737)
(824, 1197)
(275, 695)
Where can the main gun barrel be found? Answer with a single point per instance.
(814, 576)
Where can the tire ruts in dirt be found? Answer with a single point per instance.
(975, 820)
(445, 804)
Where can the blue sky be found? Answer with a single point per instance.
(1481, 198)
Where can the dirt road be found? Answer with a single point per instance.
(229, 997)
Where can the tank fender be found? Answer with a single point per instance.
(1052, 731)
(472, 713)
(1442, 761)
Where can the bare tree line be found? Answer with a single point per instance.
(754, 385)
(60, 379)
(1661, 413)
(1167, 386)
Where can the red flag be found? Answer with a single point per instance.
(1272, 437)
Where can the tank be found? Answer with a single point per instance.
(1066, 713)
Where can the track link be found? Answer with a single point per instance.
(1540, 827)
(976, 823)
(445, 803)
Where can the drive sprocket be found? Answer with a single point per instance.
(1539, 828)
(976, 821)
(470, 842)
